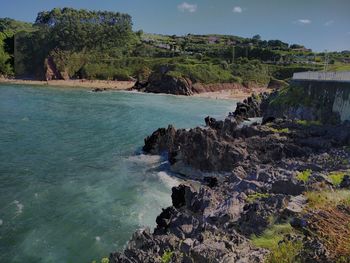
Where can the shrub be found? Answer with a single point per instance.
(167, 256)
(336, 177)
(304, 176)
(286, 252)
(251, 71)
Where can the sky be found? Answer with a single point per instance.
(317, 24)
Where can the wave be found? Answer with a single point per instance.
(168, 180)
(19, 207)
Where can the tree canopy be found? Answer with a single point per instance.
(71, 29)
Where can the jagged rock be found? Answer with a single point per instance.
(99, 89)
(346, 182)
(248, 177)
(162, 82)
(287, 187)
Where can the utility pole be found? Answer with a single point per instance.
(233, 54)
(325, 61)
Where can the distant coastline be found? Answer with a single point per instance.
(90, 84)
(127, 85)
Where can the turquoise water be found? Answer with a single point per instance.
(72, 185)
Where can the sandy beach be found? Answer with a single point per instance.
(237, 94)
(90, 84)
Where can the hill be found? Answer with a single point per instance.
(68, 43)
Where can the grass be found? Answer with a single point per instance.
(284, 130)
(270, 238)
(307, 123)
(166, 258)
(304, 176)
(322, 199)
(256, 196)
(336, 177)
(286, 252)
(281, 252)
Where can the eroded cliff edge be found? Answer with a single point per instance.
(272, 191)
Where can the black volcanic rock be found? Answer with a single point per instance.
(248, 177)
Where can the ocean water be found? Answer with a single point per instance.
(74, 185)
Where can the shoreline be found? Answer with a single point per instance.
(233, 94)
(89, 84)
(229, 215)
(237, 94)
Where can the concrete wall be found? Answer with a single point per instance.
(329, 98)
(321, 75)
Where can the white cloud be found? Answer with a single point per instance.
(303, 21)
(186, 7)
(328, 23)
(237, 9)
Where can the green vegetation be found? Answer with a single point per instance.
(166, 258)
(287, 252)
(291, 96)
(307, 123)
(251, 71)
(280, 249)
(270, 238)
(103, 260)
(8, 28)
(304, 176)
(102, 45)
(336, 177)
(323, 199)
(284, 130)
(256, 196)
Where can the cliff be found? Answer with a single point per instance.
(166, 81)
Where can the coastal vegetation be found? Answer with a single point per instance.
(68, 43)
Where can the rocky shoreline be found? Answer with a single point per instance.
(286, 177)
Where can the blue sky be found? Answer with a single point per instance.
(318, 24)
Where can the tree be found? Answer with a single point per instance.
(257, 37)
(71, 29)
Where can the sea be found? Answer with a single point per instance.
(74, 182)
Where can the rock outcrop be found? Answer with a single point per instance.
(162, 81)
(253, 177)
(165, 81)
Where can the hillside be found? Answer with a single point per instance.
(80, 44)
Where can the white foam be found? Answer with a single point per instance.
(36, 195)
(19, 207)
(98, 239)
(1, 222)
(140, 216)
(143, 158)
(168, 180)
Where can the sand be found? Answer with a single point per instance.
(236, 94)
(90, 84)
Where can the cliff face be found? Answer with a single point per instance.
(325, 101)
(165, 81)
